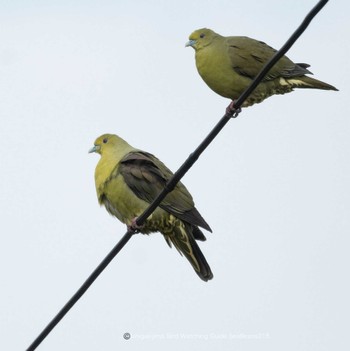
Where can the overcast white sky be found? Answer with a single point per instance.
(274, 186)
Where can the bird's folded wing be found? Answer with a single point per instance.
(248, 56)
(147, 176)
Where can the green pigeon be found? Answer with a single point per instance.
(229, 64)
(127, 180)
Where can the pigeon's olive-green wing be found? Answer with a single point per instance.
(248, 56)
(146, 176)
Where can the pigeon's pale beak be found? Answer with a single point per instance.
(190, 43)
(95, 148)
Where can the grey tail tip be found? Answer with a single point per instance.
(204, 272)
(331, 87)
(207, 276)
(316, 84)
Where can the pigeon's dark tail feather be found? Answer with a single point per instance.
(183, 239)
(311, 83)
(198, 234)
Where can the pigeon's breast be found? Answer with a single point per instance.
(217, 72)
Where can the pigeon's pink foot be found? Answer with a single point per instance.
(231, 109)
(134, 227)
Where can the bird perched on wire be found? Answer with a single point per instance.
(229, 64)
(127, 180)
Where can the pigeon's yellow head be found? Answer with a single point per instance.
(201, 38)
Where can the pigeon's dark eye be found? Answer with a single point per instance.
(105, 140)
(202, 35)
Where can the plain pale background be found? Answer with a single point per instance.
(274, 186)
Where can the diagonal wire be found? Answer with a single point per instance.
(178, 175)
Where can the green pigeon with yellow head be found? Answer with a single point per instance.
(128, 179)
(229, 64)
